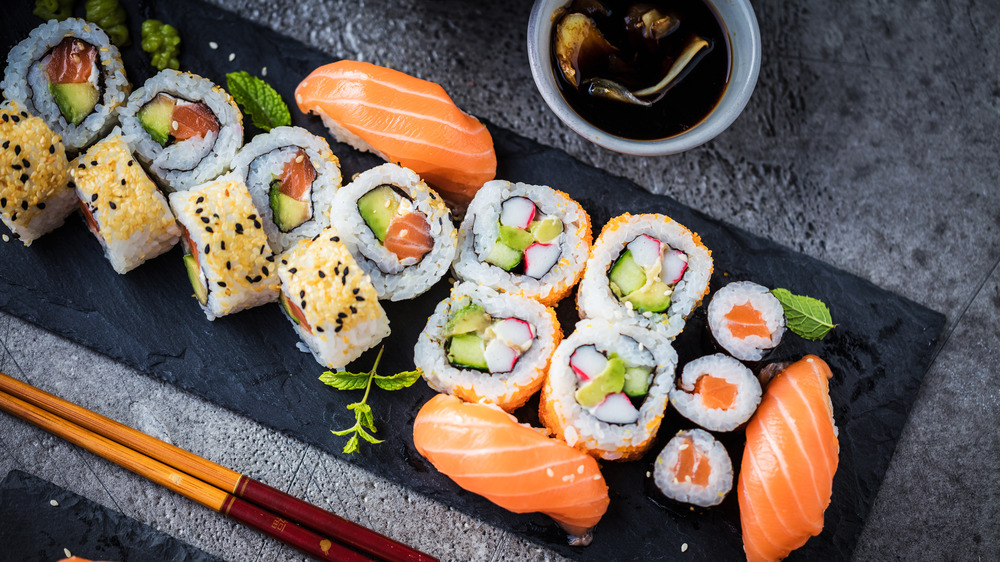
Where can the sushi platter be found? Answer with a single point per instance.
(249, 362)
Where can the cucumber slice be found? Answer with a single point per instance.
(626, 275)
(515, 238)
(467, 350)
(194, 277)
(636, 381)
(504, 256)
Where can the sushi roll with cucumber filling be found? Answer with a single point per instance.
(71, 75)
(292, 176)
(716, 392)
(746, 320)
(485, 346)
(607, 389)
(646, 269)
(185, 129)
(397, 228)
(528, 240)
(694, 468)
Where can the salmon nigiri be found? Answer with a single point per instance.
(786, 478)
(404, 120)
(486, 451)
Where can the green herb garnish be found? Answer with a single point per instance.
(163, 42)
(364, 421)
(53, 9)
(259, 99)
(807, 317)
(110, 15)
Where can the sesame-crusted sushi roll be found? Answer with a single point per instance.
(71, 75)
(607, 388)
(397, 228)
(35, 196)
(228, 261)
(330, 300)
(185, 129)
(485, 346)
(647, 269)
(123, 207)
(292, 176)
(746, 320)
(694, 468)
(528, 240)
(716, 392)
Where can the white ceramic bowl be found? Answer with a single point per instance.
(740, 24)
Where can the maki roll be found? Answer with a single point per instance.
(527, 240)
(716, 392)
(71, 75)
(122, 206)
(228, 261)
(481, 345)
(185, 129)
(35, 196)
(746, 320)
(607, 389)
(646, 269)
(398, 230)
(330, 300)
(292, 176)
(694, 468)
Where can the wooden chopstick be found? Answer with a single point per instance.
(199, 479)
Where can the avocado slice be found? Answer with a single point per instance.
(626, 276)
(193, 271)
(155, 118)
(469, 318)
(467, 350)
(289, 212)
(546, 230)
(503, 256)
(75, 101)
(284, 306)
(636, 381)
(609, 381)
(515, 238)
(654, 297)
(378, 207)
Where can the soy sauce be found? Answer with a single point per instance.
(686, 104)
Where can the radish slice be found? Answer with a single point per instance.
(675, 263)
(616, 408)
(514, 332)
(540, 258)
(645, 250)
(499, 357)
(517, 212)
(587, 362)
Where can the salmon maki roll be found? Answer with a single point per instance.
(791, 456)
(487, 452)
(746, 320)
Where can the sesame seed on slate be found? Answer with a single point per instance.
(26, 163)
(112, 205)
(229, 265)
(24, 178)
(199, 200)
(40, 205)
(264, 270)
(209, 230)
(321, 274)
(24, 205)
(123, 181)
(52, 149)
(204, 220)
(93, 197)
(17, 150)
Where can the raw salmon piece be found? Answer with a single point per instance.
(409, 236)
(72, 62)
(487, 452)
(744, 321)
(192, 120)
(786, 478)
(297, 176)
(715, 392)
(405, 120)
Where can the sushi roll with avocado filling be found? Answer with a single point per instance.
(481, 345)
(716, 392)
(397, 228)
(646, 269)
(186, 130)
(694, 468)
(69, 74)
(292, 176)
(522, 239)
(607, 389)
(746, 320)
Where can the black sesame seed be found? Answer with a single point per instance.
(335, 239)
(71, 185)
(270, 259)
(302, 293)
(207, 248)
(3, 202)
(264, 270)
(239, 228)
(262, 247)
(355, 290)
(123, 181)
(354, 309)
(26, 163)
(93, 162)
(252, 217)
(24, 178)
(359, 299)
(15, 166)
(6, 117)
(338, 328)
(319, 328)
(256, 224)
(6, 144)
(24, 114)
(112, 205)
(222, 283)
(257, 279)
(303, 304)
(24, 205)
(17, 150)
(229, 265)
(341, 315)
(15, 118)
(130, 162)
(340, 321)
(204, 220)
(52, 149)
(40, 206)
(346, 269)
(321, 274)
(82, 166)
(198, 212)
(209, 230)
(222, 245)
(199, 200)
(249, 279)
(13, 217)
(284, 262)
(93, 198)
(293, 270)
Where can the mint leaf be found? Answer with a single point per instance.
(352, 445)
(345, 380)
(397, 381)
(259, 99)
(807, 317)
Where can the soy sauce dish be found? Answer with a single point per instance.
(645, 77)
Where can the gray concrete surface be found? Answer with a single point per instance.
(870, 143)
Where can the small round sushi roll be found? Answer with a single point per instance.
(607, 389)
(528, 240)
(228, 261)
(71, 75)
(122, 206)
(292, 176)
(716, 392)
(185, 129)
(694, 468)
(646, 269)
(481, 345)
(746, 320)
(397, 228)
(330, 300)
(35, 196)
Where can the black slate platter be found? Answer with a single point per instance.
(32, 528)
(248, 362)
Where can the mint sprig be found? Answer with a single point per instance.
(364, 421)
(807, 317)
(259, 99)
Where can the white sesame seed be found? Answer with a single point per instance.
(173, 125)
(549, 472)
(403, 233)
(53, 503)
(684, 547)
(299, 158)
(232, 57)
(6, 238)
(580, 469)
(67, 553)
(263, 71)
(298, 98)
(213, 45)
